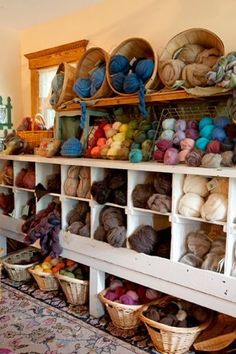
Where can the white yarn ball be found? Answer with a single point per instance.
(167, 134)
(190, 204)
(215, 208)
(196, 184)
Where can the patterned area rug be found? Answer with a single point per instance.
(36, 322)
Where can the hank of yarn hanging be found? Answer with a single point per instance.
(202, 143)
(187, 144)
(136, 155)
(180, 125)
(131, 83)
(178, 137)
(211, 160)
(82, 87)
(192, 133)
(227, 158)
(144, 69)
(188, 53)
(194, 158)
(206, 132)
(171, 157)
(195, 75)
(119, 63)
(117, 81)
(218, 134)
(213, 147)
(164, 144)
(170, 71)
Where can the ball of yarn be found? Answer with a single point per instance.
(198, 243)
(192, 134)
(97, 77)
(201, 143)
(182, 155)
(190, 205)
(116, 283)
(82, 87)
(119, 63)
(227, 157)
(127, 300)
(194, 158)
(215, 208)
(144, 69)
(139, 136)
(133, 295)
(152, 294)
(205, 121)
(72, 147)
(222, 121)
(192, 124)
(218, 134)
(144, 239)
(213, 147)
(206, 131)
(191, 260)
(211, 160)
(158, 155)
(135, 146)
(117, 81)
(226, 145)
(116, 125)
(180, 125)
(163, 183)
(116, 237)
(178, 137)
(167, 134)
(131, 83)
(164, 144)
(196, 184)
(135, 155)
(219, 185)
(160, 203)
(187, 144)
(141, 194)
(151, 134)
(171, 157)
(169, 123)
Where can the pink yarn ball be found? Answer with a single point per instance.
(164, 144)
(171, 157)
(192, 134)
(116, 283)
(152, 294)
(213, 147)
(133, 295)
(158, 155)
(192, 124)
(182, 155)
(111, 295)
(127, 300)
(187, 144)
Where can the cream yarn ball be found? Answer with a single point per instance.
(196, 184)
(190, 204)
(215, 208)
(219, 185)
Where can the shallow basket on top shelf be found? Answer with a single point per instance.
(122, 316)
(169, 339)
(45, 281)
(75, 290)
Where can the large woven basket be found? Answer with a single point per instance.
(75, 290)
(122, 316)
(168, 339)
(89, 61)
(136, 48)
(19, 272)
(45, 281)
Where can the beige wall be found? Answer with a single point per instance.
(109, 22)
(10, 69)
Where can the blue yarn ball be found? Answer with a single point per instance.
(97, 76)
(82, 87)
(155, 124)
(202, 143)
(151, 134)
(117, 81)
(219, 134)
(205, 121)
(222, 121)
(135, 146)
(135, 155)
(72, 147)
(93, 90)
(144, 69)
(119, 63)
(131, 83)
(206, 132)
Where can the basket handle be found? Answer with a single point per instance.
(40, 117)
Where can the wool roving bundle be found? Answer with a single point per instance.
(191, 260)
(70, 186)
(171, 157)
(208, 57)
(194, 158)
(178, 137)
(85, 231)
(227, 158)
(188, 53)
(167, 134)
(182, 155)
(196, 184)
(211, 262)
(195, 75)
(219, 185)
(218, 134)
(144, 239)
(215, 207)
(159, 202)
(112, 217)
(119, 63)
(205, 121)
(82, 87)
(206, 132)
(100, 234)
(211, 160)
(180, 125)
(198, 243)
(222, 121)
(202, 143)
(141, 194)
(75, 227)
(170, 71)
(190, 204)
(116, 237)
(163, 183)
(100, 192)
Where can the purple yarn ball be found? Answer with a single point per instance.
(192, 134)
(180, 125)
(171, 157)
(178, 137)
(164, 144)
(192, 124)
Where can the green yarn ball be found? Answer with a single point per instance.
(146, 155)
(144, 125)
(133, 124)
(147, 145)
(135, 155)
(202, 143)
(139, 136)
(151, 134)
(129, 134)
(206, 132)
(135, 146)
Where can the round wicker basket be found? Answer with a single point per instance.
(138, 48)
(75, 290)
(19, 272)
(45, 281)
(122, 316)
(86, 64)
(169, 339)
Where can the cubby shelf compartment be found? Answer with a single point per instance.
(150, 211)
(221, 223)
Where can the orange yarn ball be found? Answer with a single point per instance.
(95, 152)
(101, 141)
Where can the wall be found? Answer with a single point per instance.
(10, 73)
(109, 22)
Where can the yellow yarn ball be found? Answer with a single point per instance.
(119, 137)
(123, 128)
(113, 152)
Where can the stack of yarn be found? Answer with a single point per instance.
(204, 253)
(188, 67)
(204, 198)
(26, 177)
(128, 293)
(155, 194)
(87, 87)
(208, 143)
(223, 74)
(77, 183)
(57, 84)
(113, 188)
(112, 227)
(78, 219)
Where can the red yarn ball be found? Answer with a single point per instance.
(158, 155)
(213, 147)
(164, 144)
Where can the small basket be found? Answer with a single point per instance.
(34, 137)
(168, 339)
(90, 59)
(45, 281)
(75, 290)
(122, 316)
(19, 272)
(136, 48)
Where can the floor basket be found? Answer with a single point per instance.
(89, 61)
(75, 290)
(136, 48)
(19, 272)
(168, 339)
(122, 316)
(45, 281)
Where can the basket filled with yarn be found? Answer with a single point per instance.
(188, 57)
(90, 78)
(62, 85)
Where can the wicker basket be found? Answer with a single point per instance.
(75, 290)
(122, 316)
(45, 281)
(19, 272)
(34, 137)
(168, 339)
(87, 63)
(138, 48)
